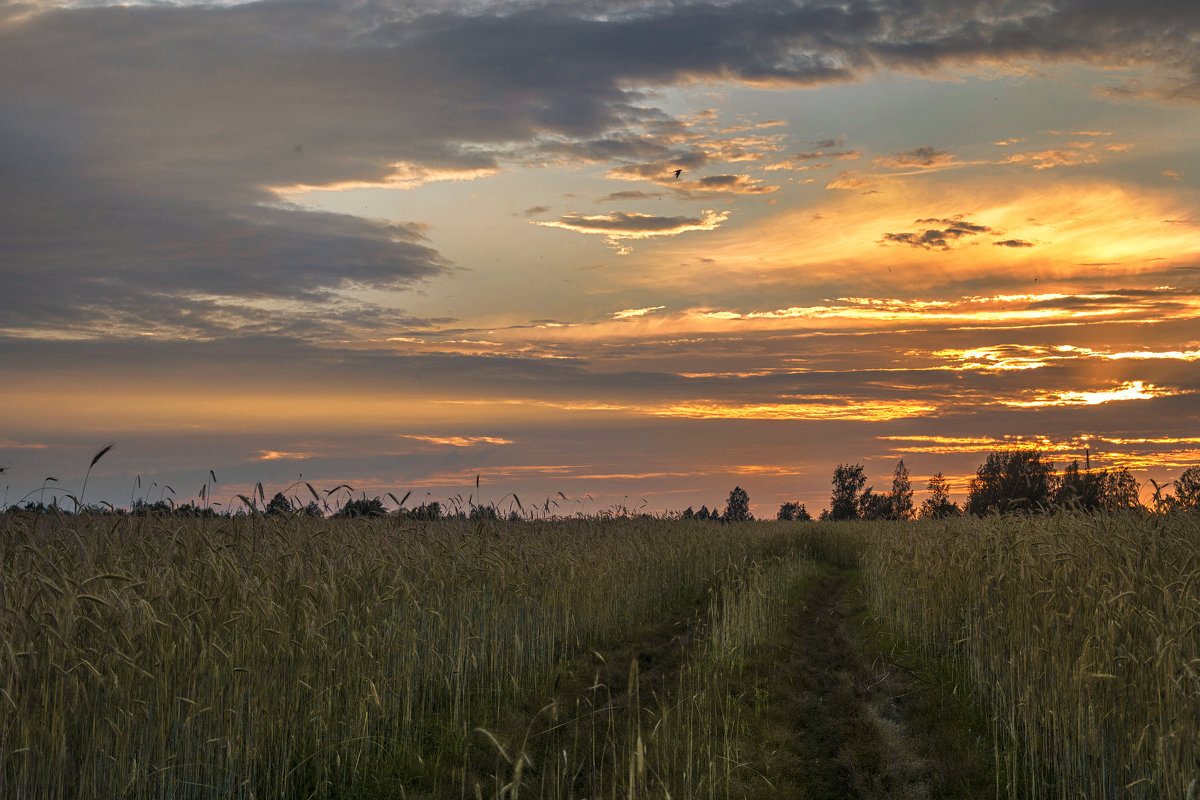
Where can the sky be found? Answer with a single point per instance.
(594, 255)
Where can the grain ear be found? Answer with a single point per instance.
(95, 458)
(100, 454)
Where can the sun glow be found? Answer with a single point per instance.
(1130, 390)
(862, 409)
(1052, 231)
(458, 441)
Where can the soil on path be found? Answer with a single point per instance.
(851, 715)
(837, 709)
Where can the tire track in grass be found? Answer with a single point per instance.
(850, 714)
(834, 709)
(827, 722)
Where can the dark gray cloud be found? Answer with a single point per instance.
(943, 238)
(927, 156)
(661, 171)
(819, 154)
(729, 184)
(140, 143)
(654, 146)
(826, 144)
(1013, 243)
(85, 255)
(629, 195)
(235, 98)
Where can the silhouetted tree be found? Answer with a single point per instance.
(1012, 481)
(902, 494)
(363, 508)
(484, 512)
(874, 506)
(689, 513)
(704, 513)
(793, 512)
(1080, 489)
(1187, 490)
(1121, 490)
(143, 509)
(848, 481)
(938, 505)
(279, 505)
(427, 511)
(737, 509)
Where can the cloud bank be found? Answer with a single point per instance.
(142, 141)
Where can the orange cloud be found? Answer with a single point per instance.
(744, 148)
(859, 408)
(458, 441)
(1010, 310)
(1001, 357)
(276, 455)
(1047, 159)
(814, 159)
(1129, 390)
(814, 407)
(1105, 452)
(947, 445)
(1084, 228)
(1009, 357)
(629, 313)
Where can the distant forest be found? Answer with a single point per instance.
(1014, 481)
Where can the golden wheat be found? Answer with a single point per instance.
(1080, 632)
(246, 656)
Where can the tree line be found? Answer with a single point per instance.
(1013, 481)
(1017, 480)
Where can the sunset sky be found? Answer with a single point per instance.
(399, 245)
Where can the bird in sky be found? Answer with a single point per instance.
(678, 172)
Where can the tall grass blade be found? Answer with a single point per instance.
(99, 455)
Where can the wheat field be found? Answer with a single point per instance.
(1080, 633)
(253, 657)
(256, 656)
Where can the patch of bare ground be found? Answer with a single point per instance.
(834, 709)
(850, 713)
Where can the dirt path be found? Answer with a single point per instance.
(832, 729)
(851, 715)
(836, 709)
